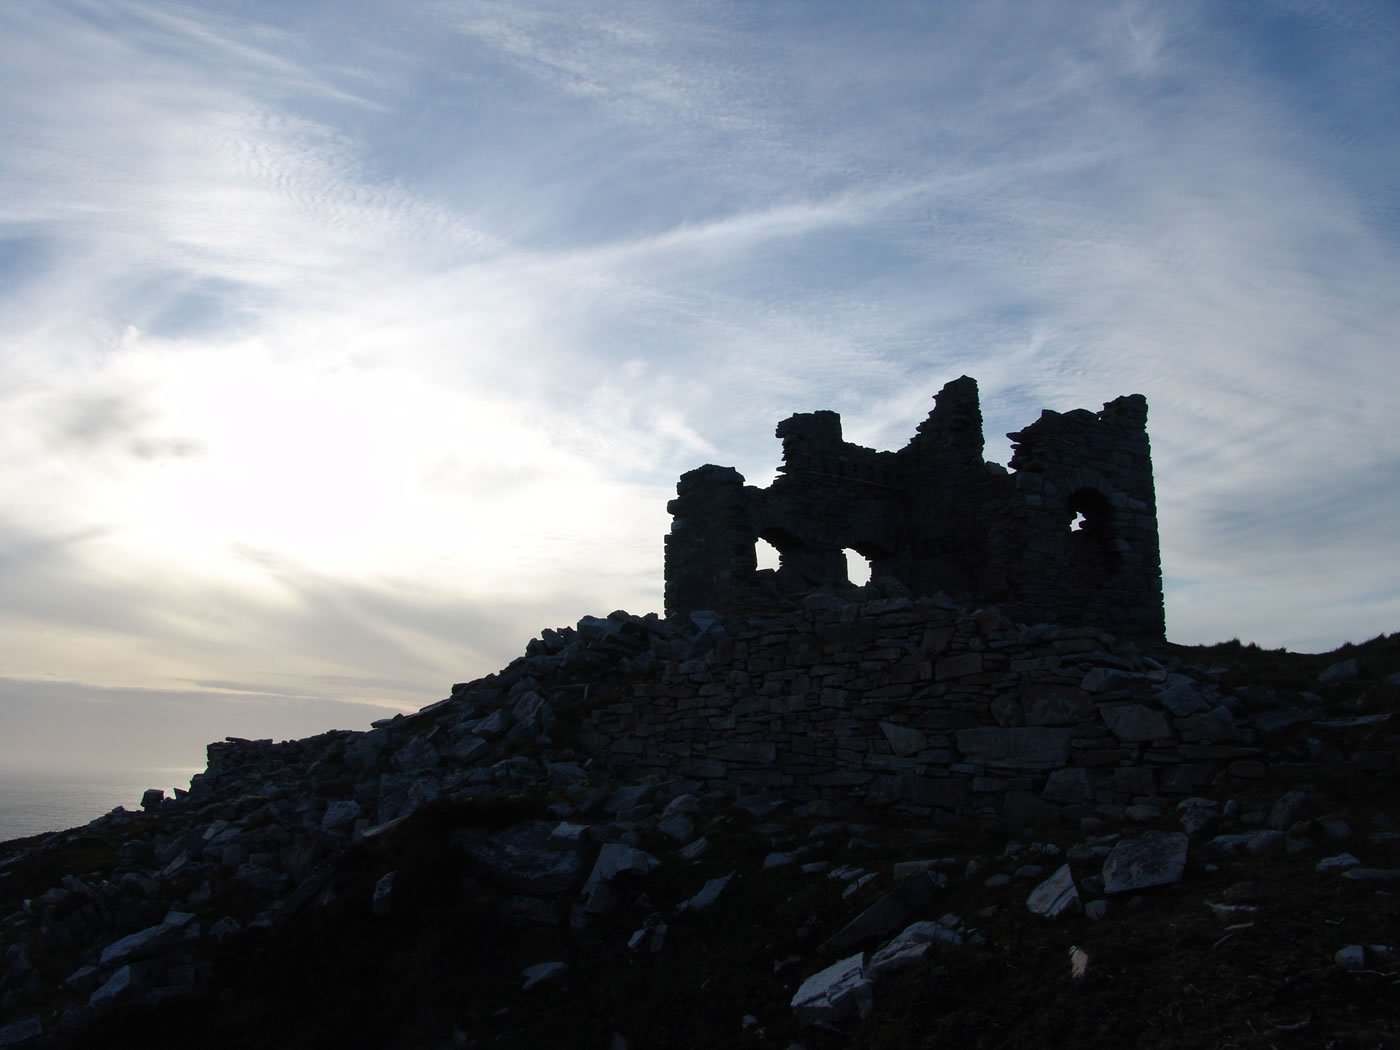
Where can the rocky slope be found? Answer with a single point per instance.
(471, 876)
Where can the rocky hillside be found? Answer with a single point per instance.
(477, 875)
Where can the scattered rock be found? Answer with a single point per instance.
(382, 902)
(1287, 810)
(1154, 859)
(17, 1033)
(117, 986)
(1056, 895)
(709, 893)
(910, 947)
(1341, 862)
(1352, 957)
(339, 814)
(614, 861)
(177, 928)
(832, 995)
(1341, 671)
(539, 973)
(1372, 874)
(523, 858)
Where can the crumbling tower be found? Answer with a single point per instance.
(1068, 535)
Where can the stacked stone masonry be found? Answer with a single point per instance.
(962, 717)
(1068, 535)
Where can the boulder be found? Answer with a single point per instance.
(120, 984)
(16, 1033)
(1255, 843)
(1341, 671)
(339, 814)
(1155, 859)
(832, 995)
(1056, 896)
(709, 893)
(614, 860)
(910, 947)
(416, 756)
(178, 927)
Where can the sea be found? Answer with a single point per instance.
(38, 800)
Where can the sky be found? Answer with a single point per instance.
(345, 346)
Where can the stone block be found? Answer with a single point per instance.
(753, 752)
(1023, 807)
(903, 741)
(1054, 704)
(1072, 784)
(1135, 780)
(958, 666)
(1027, 747)
(940, 792)
(1135, 723)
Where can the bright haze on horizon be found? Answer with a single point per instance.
(343, 347)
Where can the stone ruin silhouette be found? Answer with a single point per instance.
(1068, 535)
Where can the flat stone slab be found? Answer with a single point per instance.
(1022, 747)
(709, 893)
(1056, 895)
(1155, 859)
(177, 927)
(903, 741)
(1372, 874)
(833, 994)
(910, 946)
(541, 972)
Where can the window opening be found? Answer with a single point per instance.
(857, 567)
(766, 554)
(1092, 536)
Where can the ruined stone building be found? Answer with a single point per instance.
(1067, 535)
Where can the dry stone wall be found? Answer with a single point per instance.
(961, 717)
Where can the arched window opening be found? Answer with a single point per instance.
(1092, 536)
(857, 567)
(766, 554)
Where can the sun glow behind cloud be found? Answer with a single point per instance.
(343, 349)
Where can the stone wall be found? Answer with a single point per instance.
(1069, 535)
(963, 718)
